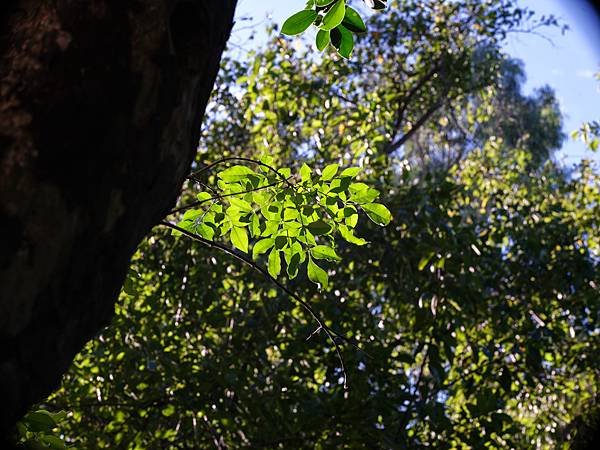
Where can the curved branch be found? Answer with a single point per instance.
(331, 334)
(240, 158)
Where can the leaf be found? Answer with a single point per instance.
(323, 2)
(322, 41)
(206, 231)
(348, 235)
(353, 21)
(362, 193)
(294, 255)
(317, 275)
(378, 213)
(305, 172)
(350, 172)
(262, 246)
(329, 172)
(255, 226)
(274, 263)
(168, 410)
(299, 22)
(319, 227)
(204, 197)
(239, 238)
(425, 260)
(39, 421)
(343, 40)
(242, 205)
(334, 16)
(350, 216)
(235, 173)
(324, 252)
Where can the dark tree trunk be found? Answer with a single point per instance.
(100, 110)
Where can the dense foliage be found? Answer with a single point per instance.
(471, 321)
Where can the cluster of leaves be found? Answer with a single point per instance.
(589, 133)
(282, 216)
(335, 20)
(38, 430)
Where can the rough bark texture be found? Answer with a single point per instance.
(100, 110)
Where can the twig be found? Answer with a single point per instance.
(331, 334)
(239, 158)
(221, 196)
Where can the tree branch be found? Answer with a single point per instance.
(331, 334)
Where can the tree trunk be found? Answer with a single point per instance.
(100, 110)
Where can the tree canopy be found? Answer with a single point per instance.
(468, 321)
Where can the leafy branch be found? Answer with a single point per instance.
(331, 334)
(335, 20)
(297, 216)
(287, 218)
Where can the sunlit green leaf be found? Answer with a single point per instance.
(317, 275)
(299, 22)
(378, 213)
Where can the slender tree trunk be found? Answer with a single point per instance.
(100, 110)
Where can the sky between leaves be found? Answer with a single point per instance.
(566, 62)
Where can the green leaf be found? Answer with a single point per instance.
(242, 205)
(324, 252)
(274, 263)
(329, 172)
(350, 216)
(317, 275)
(255, 226)
(343, 40)
(239, 238)
(305, 172)
(299, 22)
(294, 255)
(322, 40)
(204, 197)
(348, 235)
(378, 213)
(334, 16)
(168, 410)
(262, 246)
(39, 421)
(206, 231)
(323, 2)
(353, 21)
(361, 193)
(350, 172)
(235, 173)
(319, 227)
(425, 260)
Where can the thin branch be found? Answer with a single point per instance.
(194, 175)
(405, 417)
(221, 196)
(392, 146)
(331, 334)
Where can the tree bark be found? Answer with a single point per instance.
(100, 110)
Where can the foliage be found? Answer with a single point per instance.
(294, 218)
(336, 21)
(38, 430)
(474, 313)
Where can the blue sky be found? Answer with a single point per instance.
(567, 63)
